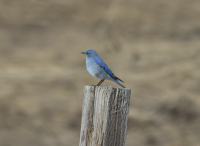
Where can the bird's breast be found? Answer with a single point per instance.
(95, 70)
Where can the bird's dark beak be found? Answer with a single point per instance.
(83, 52)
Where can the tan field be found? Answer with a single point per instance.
(153, 46)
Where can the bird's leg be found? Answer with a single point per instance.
(100, 83)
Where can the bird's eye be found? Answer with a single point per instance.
(87, 53)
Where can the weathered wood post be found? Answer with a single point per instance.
(104, 116)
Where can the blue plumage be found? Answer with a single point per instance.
(98, 69)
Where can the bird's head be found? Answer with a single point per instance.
(90, 53)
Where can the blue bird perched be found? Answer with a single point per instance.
(98, 69)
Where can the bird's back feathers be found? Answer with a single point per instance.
(101, 63)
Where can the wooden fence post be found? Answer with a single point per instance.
(104, 116)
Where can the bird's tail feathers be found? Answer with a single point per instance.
(116, 80)
(119, 79)
(119, 83)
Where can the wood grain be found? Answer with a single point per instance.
(104, 116)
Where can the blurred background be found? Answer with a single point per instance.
(153, 46)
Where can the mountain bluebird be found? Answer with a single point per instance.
(98, 69)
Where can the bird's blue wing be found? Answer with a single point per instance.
(101, 63)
